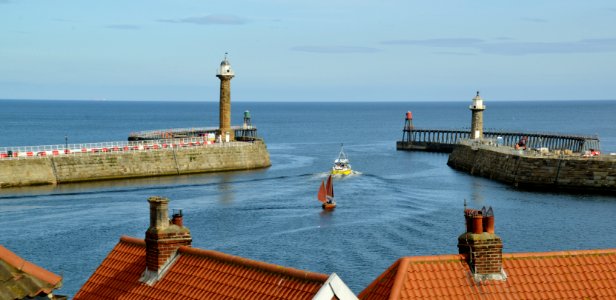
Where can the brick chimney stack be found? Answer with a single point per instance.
(482, 248)
(162, 239)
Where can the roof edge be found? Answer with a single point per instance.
(399, 278)
(11, 258)
(334, 288)
(132, 240)
(306, 275)
(30, 268)
(376, 281)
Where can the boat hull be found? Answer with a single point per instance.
(342, 172)
(329, 206)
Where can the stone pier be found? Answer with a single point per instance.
(532, 169)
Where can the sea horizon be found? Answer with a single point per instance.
(313, 101)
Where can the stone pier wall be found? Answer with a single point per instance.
(117, 165)
(535, 170)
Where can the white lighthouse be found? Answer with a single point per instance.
(477, 109)
(225, 74)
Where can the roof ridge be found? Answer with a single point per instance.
(559, 253)
(440, 257)
(457, 257)
(11, 258)
(132, 240)
(238, 260)
(29, 268)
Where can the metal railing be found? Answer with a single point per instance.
(574, 142)
(245, 130)
(171, 131)
(494, 144)
(105, 148)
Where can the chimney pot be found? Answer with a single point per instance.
(177, 218)
(490, 212)
(488, 224)
(469, 223)
(468, 217)
(488, 220)
(478, 224)
(159, 217)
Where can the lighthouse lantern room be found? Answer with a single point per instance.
(225, 68)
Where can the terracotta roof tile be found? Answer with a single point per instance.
(545, 275)
(20, 278)
(196, 274)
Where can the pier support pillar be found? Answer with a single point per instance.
(477, 109)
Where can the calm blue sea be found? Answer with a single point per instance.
(401, 203)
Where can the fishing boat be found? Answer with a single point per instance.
(341, 164)
(326, 194)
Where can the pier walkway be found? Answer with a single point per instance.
(444, 140)
(242, 133)
(32, 152)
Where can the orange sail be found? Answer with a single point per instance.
(330, 187)
(322, 193)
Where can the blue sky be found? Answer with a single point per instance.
(308, 50)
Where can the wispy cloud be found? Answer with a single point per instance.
(209, 20)
(446, 42)
(534, 20)
(523, 48)
(503, 47)
(63, 20)
(335, 49)
(123, 26)
(455, 53)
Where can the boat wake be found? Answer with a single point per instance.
(78, 191)
(339, 176)
(353, 173)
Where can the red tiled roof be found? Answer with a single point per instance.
(196, 274)
(587, 274)
(20, 278)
